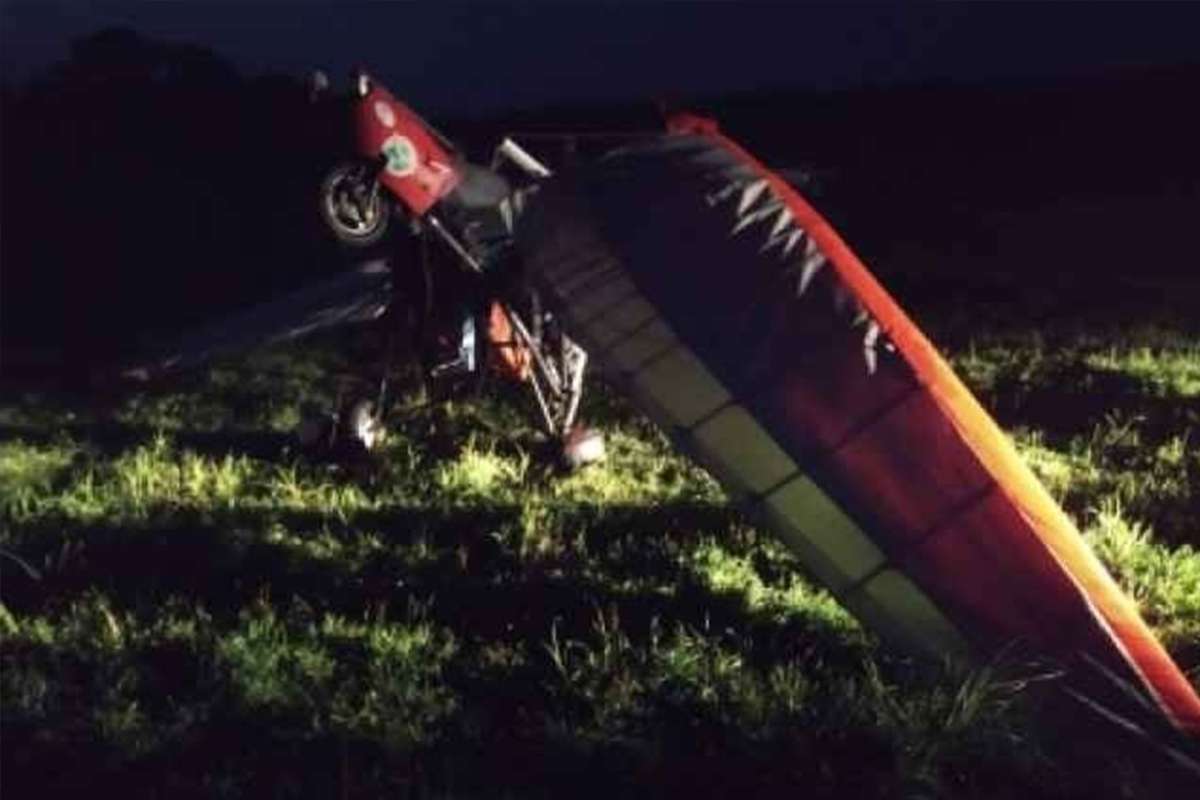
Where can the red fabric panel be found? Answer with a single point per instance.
(912, 470)
(1042, 537)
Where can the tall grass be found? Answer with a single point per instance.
(189, 606)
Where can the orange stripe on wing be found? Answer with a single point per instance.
(1114, 613)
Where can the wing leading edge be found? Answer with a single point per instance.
(357, 295)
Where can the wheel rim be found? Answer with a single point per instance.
(365, 426)
(352, 207)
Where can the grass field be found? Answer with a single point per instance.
(190, 608)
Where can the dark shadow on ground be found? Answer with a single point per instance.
(478, 584)
(1075, 397)
(113, 438)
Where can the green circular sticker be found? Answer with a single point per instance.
(401, 155)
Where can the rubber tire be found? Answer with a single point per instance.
(381, 211)
(361, 414)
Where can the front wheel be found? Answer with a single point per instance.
(354, 205)
(362, 426)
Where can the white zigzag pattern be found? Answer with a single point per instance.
(757, 202)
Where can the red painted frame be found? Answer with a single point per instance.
(419, 170)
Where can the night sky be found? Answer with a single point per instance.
(465, 58)
(919, 181)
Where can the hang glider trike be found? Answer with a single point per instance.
(713, 294)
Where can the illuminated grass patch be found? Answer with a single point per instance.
(186, 598)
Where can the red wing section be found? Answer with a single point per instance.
(731, 311)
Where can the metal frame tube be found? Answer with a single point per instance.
(519, 156)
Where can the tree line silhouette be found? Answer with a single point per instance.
(148, 185)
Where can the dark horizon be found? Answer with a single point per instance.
(1091, 174)
(467, 59)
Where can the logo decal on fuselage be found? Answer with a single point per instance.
(401, 155)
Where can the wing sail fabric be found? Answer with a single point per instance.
(358, 295)
(741, 322)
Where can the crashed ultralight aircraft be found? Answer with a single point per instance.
(731, 312)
